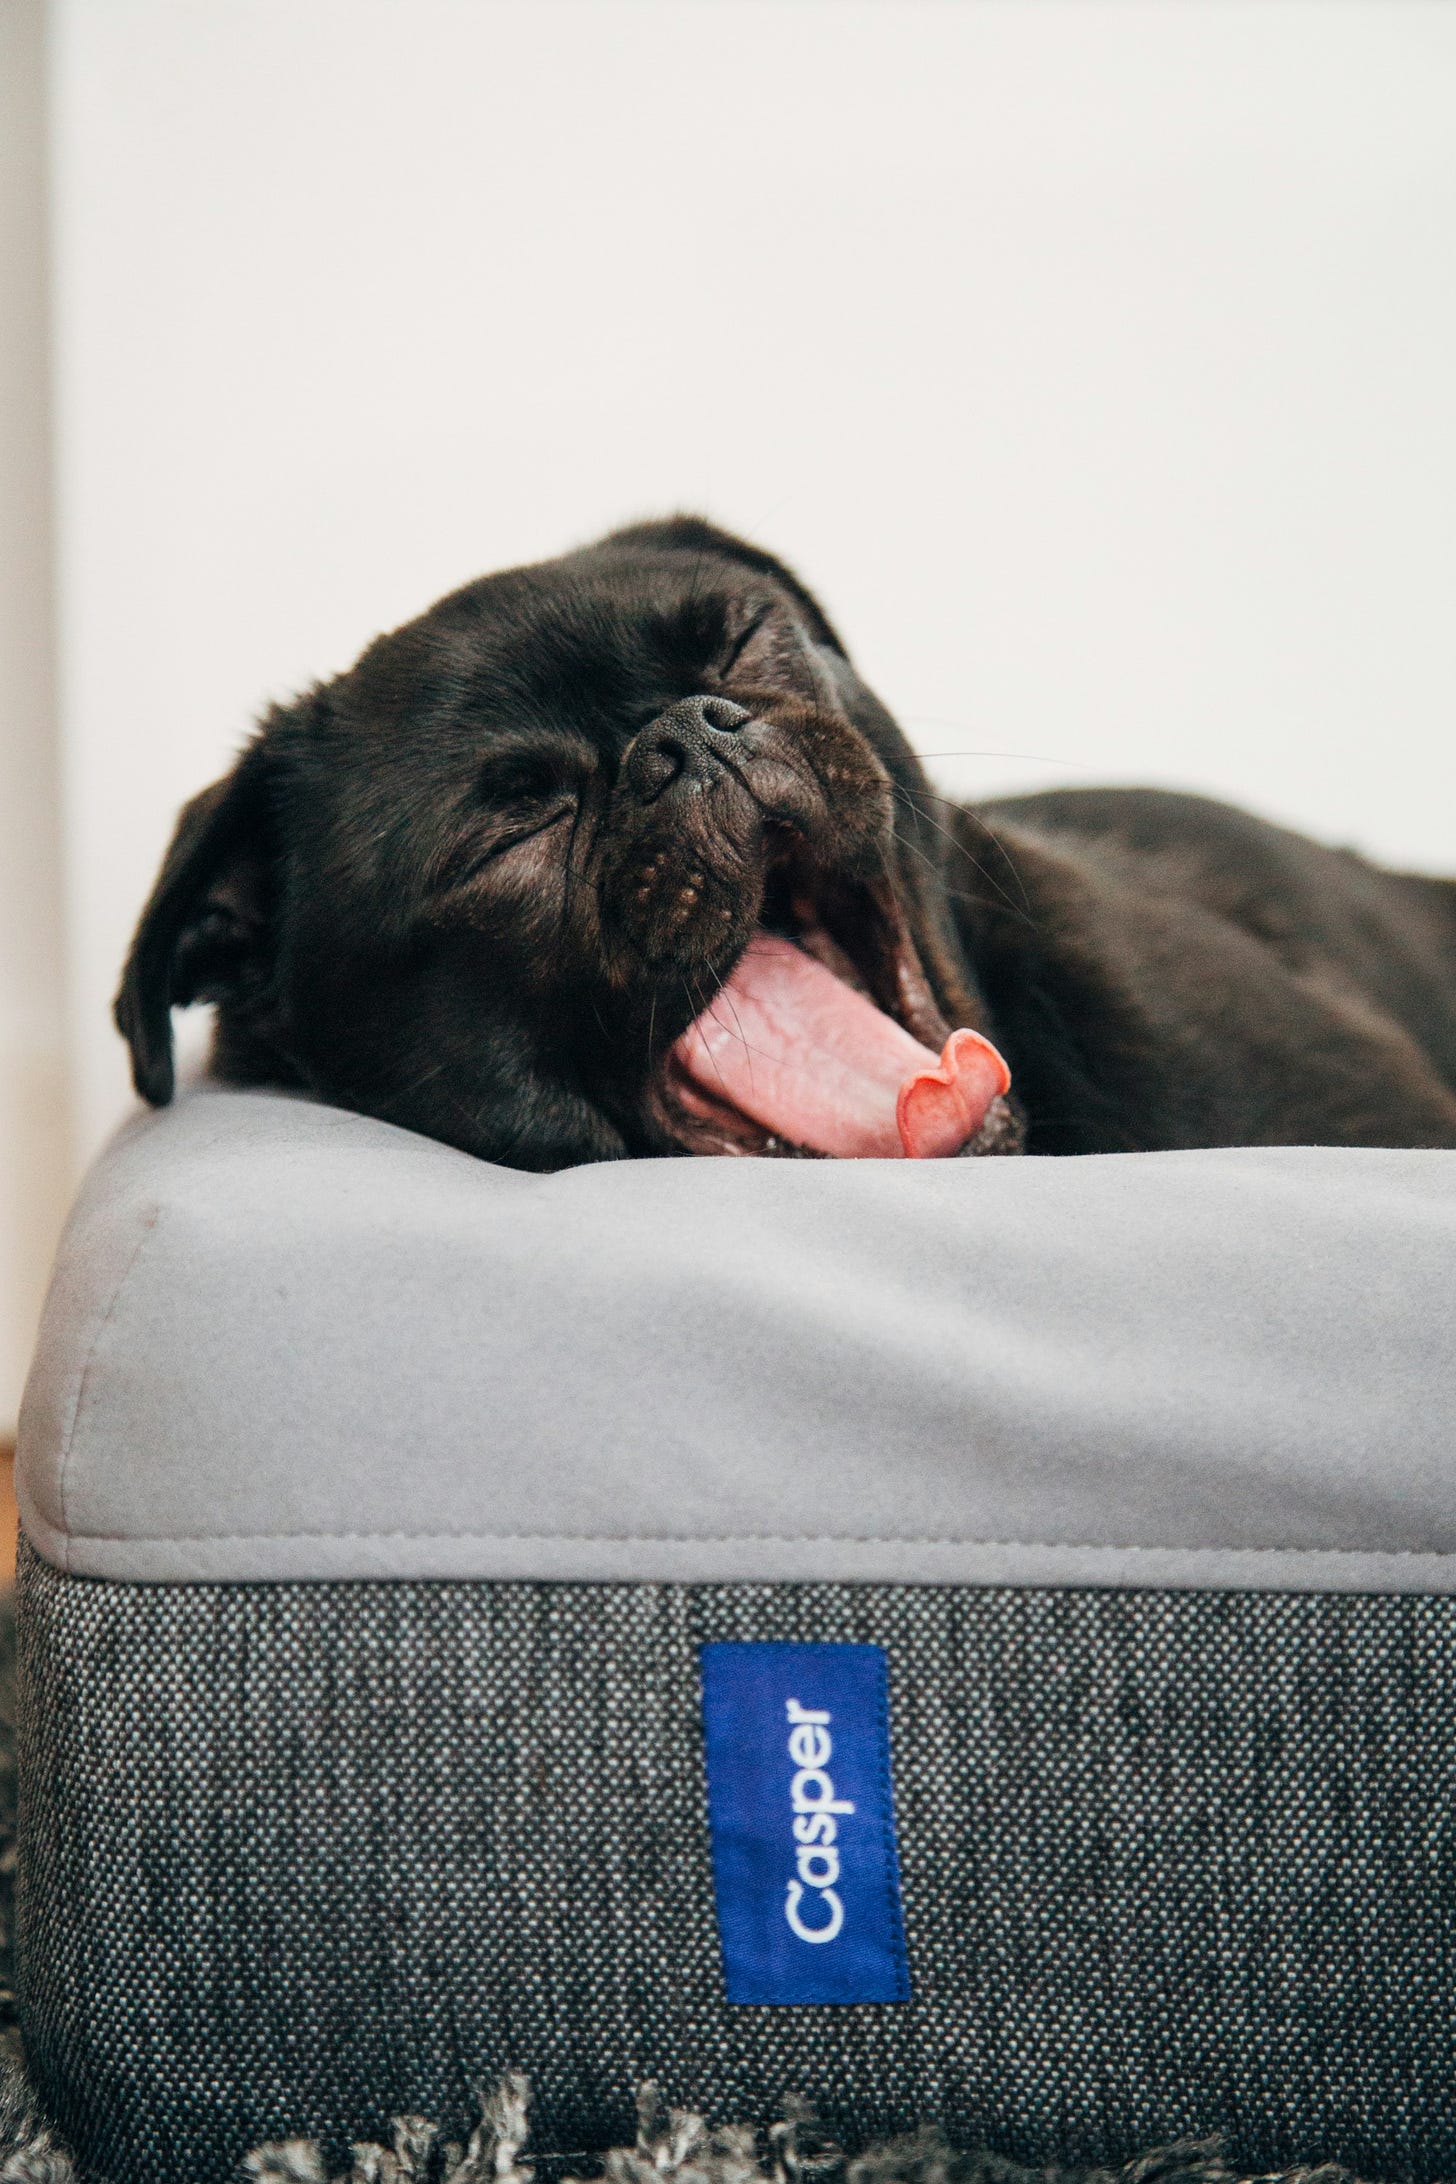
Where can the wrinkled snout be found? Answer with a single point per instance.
(681, 884)
(682, 752)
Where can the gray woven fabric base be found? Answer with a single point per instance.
(300, 1858)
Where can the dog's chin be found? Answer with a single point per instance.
(824, 1039)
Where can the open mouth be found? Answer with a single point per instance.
(827, 1039)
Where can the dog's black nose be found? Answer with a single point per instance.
(682, 745)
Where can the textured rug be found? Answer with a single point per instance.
(672, 2145)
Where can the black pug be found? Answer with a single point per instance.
(617, 855)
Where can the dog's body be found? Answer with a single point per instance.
(518, 878)
(1166, 971)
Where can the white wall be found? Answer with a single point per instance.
(35, 1149)
(1094, 360)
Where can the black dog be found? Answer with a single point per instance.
(617, 855)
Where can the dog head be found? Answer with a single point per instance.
(518, 877)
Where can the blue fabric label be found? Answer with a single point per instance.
(802, 1812)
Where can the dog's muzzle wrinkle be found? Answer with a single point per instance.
(682, 750)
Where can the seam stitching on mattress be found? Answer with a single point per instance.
(750, 1539)
(68, 1441)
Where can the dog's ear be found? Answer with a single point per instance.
(205, 931)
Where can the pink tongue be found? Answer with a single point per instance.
(789, 1044)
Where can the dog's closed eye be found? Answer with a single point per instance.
(518, 797)
(739, 643)
(765, 654)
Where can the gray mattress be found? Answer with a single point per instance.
(1135, 1474)
(285, 1341)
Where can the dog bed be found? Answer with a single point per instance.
(454, 1601)
(672, 2146)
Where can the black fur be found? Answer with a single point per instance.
(480, 884)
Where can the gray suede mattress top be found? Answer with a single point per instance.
(287, 1342)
